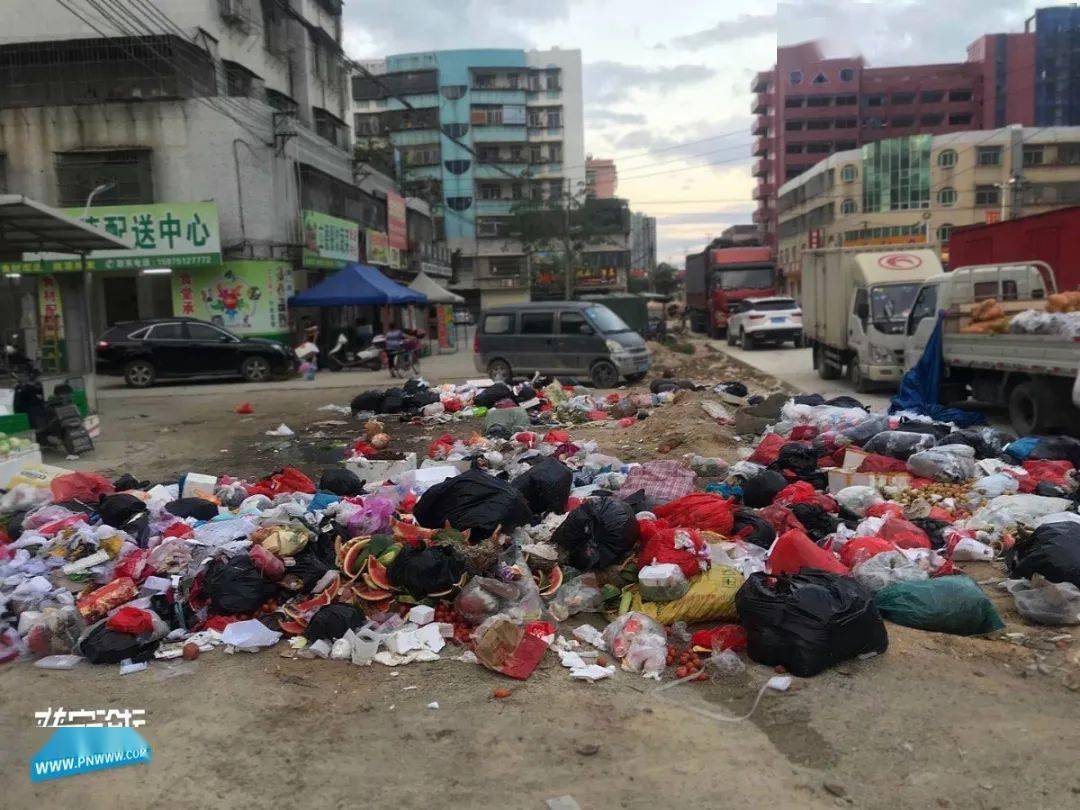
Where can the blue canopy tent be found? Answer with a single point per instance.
(356, 285)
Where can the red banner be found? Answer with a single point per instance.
(396, 221)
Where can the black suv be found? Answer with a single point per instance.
(143, 352)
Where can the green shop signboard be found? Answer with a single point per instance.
(245, 297)
(330, 242)
(172, 235)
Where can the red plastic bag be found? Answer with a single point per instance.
(903, 533)
(407, 503)
(885, 509)
(861, 549)
(627, 421)
(699, 510)
(135, 564)
(724, 637)
(613, 398)
(80, 486)
(131, 620)
(875, 463)
(289, 479)
(803, 492)
(271, 566)
(244, 408)
(178, 529)
(452, 404)
(597, 416)
(780, 518)
(937, 513)
(441, 447)
(526, 438)
(94, 605)
(658, 539)
(1055, 473)
(556, 437)
(801, 433)
(794, 551)
(768, 449)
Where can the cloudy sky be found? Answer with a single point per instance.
(667, 84)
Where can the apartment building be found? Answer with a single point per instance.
(642, 242)
(210, 134)
(475, 132)
(916, 189)
(601, 177)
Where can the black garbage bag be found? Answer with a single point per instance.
(735, 388)
(935, 429)
(198, 508)
(492, 394)
(499, 432)
(797, 457)
(331, 621)
(473, 500)
(809, 399)
(412, 386)
(844, 401)
(426, 571)
(525, 393)
(935, 530)
(756, 399)
(341, 481)
(175, 613)
(546, 486)
(759, 490)
(104, 646)
(599, 533)
(809, 621)
(236, 585)
(1049, 490)
(394, 401)
(367, 401)
(987, 442)
(417, 399)
(818, 523)
(1057, 448)
(865, 430)
(899, 444)
(1052, 550)
(128, 481)
(753, 528)
(660, 386)
(127, 513)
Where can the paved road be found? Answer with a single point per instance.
(795, 367)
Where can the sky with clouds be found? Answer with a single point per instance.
(667, 86)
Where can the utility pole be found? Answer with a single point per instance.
(568, 240)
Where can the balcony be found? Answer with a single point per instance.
(497, 170)
(496, 134)
(761, 81)
(761, 215)
(494, 208)
(760, 104)
(761, 125)
(764, 191)
(423, 172)
(761, 167)
(761, 146)
(497, 95)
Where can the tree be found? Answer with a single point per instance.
(664, 279)
(554, 232)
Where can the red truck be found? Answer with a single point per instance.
(722, 275)
(1053, 237)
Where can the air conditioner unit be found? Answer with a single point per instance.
(234, 11)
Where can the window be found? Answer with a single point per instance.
(818, 148)
(896, 174)
(903, 99)
(793, 126)
(903, 121)
(875, 122)
(932, 96)
(570, 323)
(987, 196)
(820, 79)
(166, 331)
(931, 120)
(792, 102)
(795, 77)
(848, 207)
(819, 125)
(925, 306)
(944, 232)
(453, 166)
(498, 324)
(459, 203)
(490, 191)
(946, 158)
(960, 120)
(551, 80)
(455, 130)
(204, 331)
(875, 101)
(947, 196)
(860, 307)
(1033, 156)
(959, 95)
(1069, 154)
(847, 75)
(364, 125)
(794, 148)
(988, 156)
(452, 92)
(843, 146)
(79, 173)
(846, 101)
(554, 119)
(239, 81)
(846, 123)
(849, 173)
(983, 290)
(819, 101)
(537, 323)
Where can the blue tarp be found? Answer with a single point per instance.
(920, 390)
(356, 285)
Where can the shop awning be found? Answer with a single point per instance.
(436, 294)
(27, 226)
(356, 285)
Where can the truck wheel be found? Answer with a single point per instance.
(746, 341)
(825, 369)
(499, 371)
(798, 342)
(604, 374)
(1031, 409)
(856, 378)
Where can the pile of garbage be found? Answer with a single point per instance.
(837, 520)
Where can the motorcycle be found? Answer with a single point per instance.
(56, 421)
(343, 356)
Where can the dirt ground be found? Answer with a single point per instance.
(937, 721)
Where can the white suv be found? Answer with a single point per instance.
(766, 320)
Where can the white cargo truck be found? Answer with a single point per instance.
(855, 304)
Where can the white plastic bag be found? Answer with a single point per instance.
(1044, 602)
(991, 486)
(858, 499)
(885, 569)
(639, 642)
(952, 463)
(1007, 511)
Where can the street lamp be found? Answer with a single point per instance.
(97, 190)
(87, 295)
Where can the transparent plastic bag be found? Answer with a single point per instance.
(886, 568)
(664, 582)
(580, 595)
(991, 486)
(858, 499)
(865, 430)
(1043, 602)
(951, 463)
(898, 443)
(639, 642)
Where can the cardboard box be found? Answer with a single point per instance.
(840, 478)
(375, 471)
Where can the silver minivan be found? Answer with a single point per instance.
(579, 338)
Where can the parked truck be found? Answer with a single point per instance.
(855, 304)
(1032, 375)
(721, 276)
(1053, 237)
